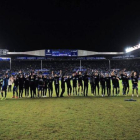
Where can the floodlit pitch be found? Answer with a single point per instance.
(75, 117)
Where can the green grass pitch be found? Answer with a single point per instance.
(74, 117)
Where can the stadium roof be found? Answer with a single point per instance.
(80, 53)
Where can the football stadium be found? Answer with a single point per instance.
(69, 94)
(69, 70)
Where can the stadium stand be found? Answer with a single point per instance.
(71, 66)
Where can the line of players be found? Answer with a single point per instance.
(38, 84)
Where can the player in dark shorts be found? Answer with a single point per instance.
(102, 82)
(123, 78)
(114, 82)
(36, 83)
(26, 85)
(56, 83)
(80, 83)
(50, 86)
(92, 82)
(21, 83)
(127, 83)
(108, 84)
(45, 86)
(62, 84)
(69, 88)
(32, 86)
(74, 79)
(97, 79)
(4, 86)
(134, 78)
(40, 85)
(117, 84)
(85, 79)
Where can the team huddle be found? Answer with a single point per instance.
(39, 85)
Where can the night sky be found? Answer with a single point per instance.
(89, 25)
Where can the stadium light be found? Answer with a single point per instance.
(132, 48)
(129, 49)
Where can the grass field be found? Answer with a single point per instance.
(74, 117)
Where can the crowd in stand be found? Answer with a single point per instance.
(70, 66)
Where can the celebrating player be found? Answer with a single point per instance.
(74, 81)
(102, 81)
(134, 78)
(80, 83)
(85, 79)
(4, 86)
(108, 84)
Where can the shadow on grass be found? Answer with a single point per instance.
(68, 98)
